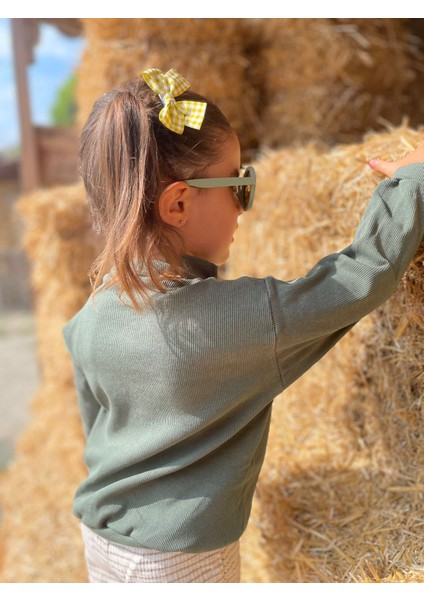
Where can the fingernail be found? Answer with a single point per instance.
(372, 163)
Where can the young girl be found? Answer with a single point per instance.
(175, 369)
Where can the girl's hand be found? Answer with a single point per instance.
(389, 167)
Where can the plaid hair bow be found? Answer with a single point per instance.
(175, 115)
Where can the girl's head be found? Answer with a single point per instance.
(134, 170)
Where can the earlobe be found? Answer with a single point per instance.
(173, 204)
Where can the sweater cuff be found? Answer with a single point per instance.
(414, 171)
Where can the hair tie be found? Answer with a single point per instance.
(175, 115)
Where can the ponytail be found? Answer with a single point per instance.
(127, 157)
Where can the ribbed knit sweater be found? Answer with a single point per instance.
(176, 401)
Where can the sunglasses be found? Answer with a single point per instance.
(243, 187)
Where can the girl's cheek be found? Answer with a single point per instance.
(236, 202)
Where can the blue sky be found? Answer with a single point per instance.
(55, 58)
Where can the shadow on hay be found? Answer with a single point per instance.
(337, 526)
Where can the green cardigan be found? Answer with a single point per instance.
(176, 401)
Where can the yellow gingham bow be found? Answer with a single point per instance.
(175, 115)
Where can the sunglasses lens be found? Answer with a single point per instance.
(245, 193)
(241, 195)
(248, 191)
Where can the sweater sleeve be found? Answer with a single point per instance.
(313, 312)
(87, 403)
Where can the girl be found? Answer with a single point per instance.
(176, 370)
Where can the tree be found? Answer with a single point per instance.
(63, 111)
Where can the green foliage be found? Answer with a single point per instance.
(63, 111)
(10, 154)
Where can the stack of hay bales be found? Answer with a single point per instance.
(41, 539)
(333, 79)
(338, 500)
(279, 81)
(340, 496)
(207, 52)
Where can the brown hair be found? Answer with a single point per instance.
(127, 157)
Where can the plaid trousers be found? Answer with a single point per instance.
(108, 562)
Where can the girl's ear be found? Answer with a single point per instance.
(173, 204)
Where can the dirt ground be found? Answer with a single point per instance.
(19, 377)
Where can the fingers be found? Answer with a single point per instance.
(388, 168)
(384, 167)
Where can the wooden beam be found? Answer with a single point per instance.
(69, 27)
(24, 36)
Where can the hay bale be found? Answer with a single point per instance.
(279, 81)
(185, 31)
(334, 79)
(340, 495)
(207, 52)
(61, 247)
(42, 541)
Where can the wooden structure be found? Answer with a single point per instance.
(37, 142)
(48, 158)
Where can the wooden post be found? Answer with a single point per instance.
(24, 35)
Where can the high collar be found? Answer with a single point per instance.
(196, 268)
(199, 268)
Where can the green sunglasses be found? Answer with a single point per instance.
(244, 187)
